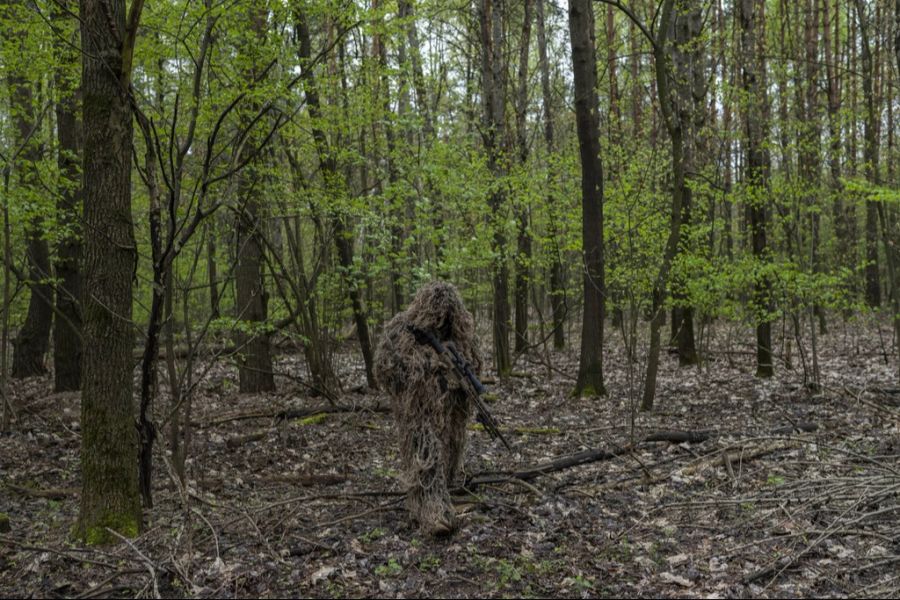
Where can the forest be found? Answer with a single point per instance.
(675, 223)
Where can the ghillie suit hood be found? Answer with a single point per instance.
(430, 404)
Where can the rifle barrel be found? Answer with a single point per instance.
(465, 370)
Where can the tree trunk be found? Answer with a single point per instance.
(890, 228)
(557, 291)
(727, 75)
(212, 270)
(757, 172)
(6, 419)
(677, 114)
(810, 157)
(842, 229)
(614, 136)
(523, 255)
(149, 375)
(587, 123)
(637, 90)
(870, 157)
(33, 341)
(67, 325)
(690, 111)
(328, 166)
(109, 467)
(397, 208)
(493, 80)
(611, 67)
(254, 359)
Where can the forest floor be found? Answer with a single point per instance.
(784, 492)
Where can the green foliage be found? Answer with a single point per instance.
(373, 535)
(864, 190)
(583, 583)
(391, 568)
(775, 480)
(429, 563)
(415, 205)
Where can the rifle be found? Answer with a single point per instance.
(464, 369)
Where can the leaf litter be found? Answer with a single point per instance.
(791, 492)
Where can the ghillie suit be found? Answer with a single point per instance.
(430, 403)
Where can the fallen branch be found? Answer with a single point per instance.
(680, 437)
(104, 589)
(595, 455)
(240, 440)
(559, 464)
(151, 568)
(800, 427)
(308, 412)
(49, 493)
(307, 480)
(733, 455)
(284, 414)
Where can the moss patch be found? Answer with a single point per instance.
(98, 534)
(312, 419)
(588, 391)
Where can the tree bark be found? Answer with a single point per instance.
(252, 310)
(637, 91)
(842, 229)
(149, 376)
(67, 325)
(758, 164)
(614, 137)
(493, 81)
(397, 208)
(557, 291)
(810, 157)
(523, 242)
(870, 157)
(676, 107)
(109, 467)
(587, 123)
(212, 275)
(690, 111)
(727, 75)
(328, 166)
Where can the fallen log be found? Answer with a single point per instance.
(800, 427)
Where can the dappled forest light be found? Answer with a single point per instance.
(481, 298)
